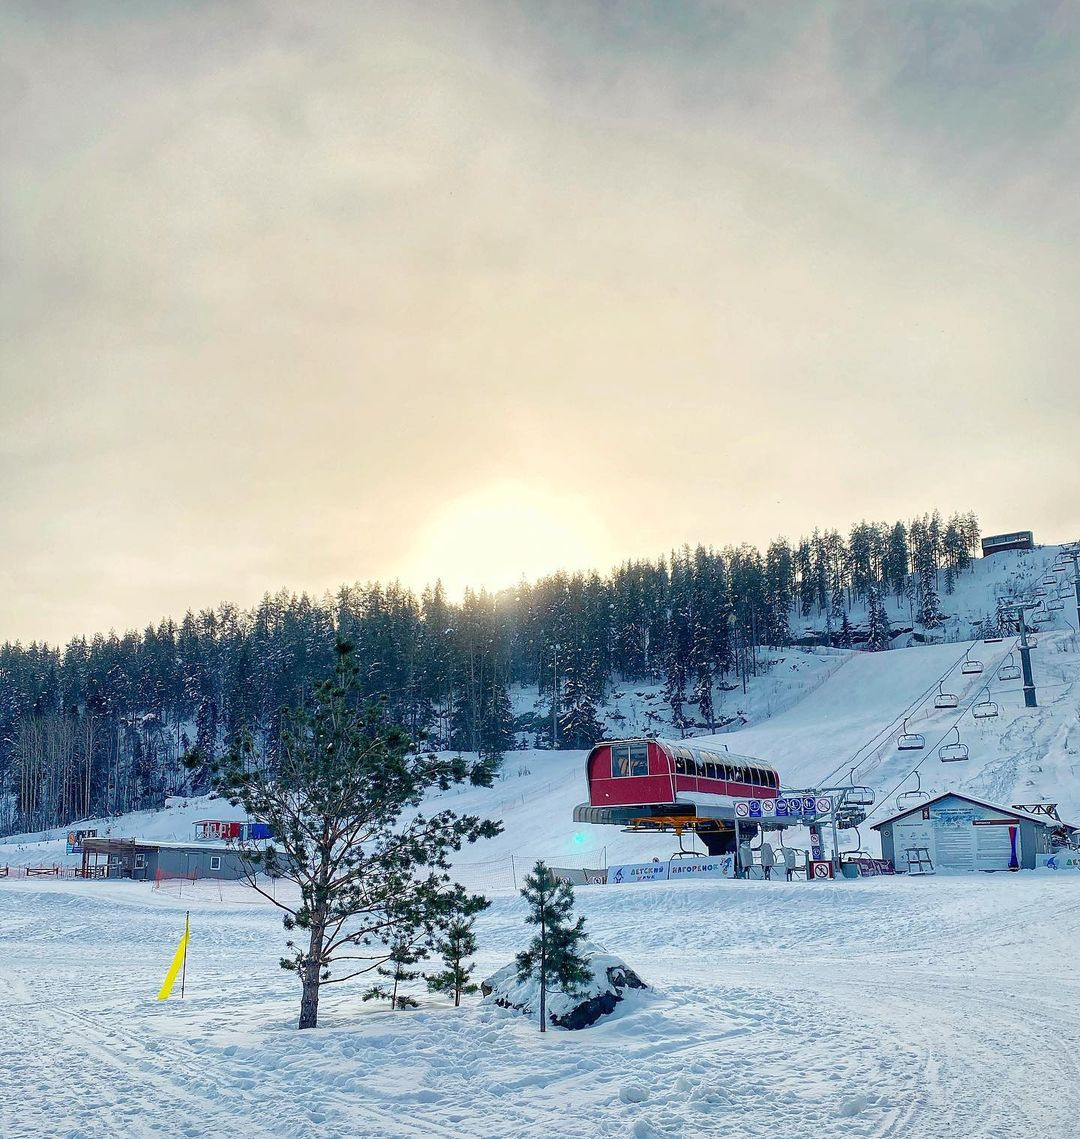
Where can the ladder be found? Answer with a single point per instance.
(918, 860)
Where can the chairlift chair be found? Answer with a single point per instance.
(1040, 592)
(908, 799)
(992, 640)
(910, 741)
(985, 709)
(1049, 579)
(1055, 605)
(971, 667)
(945, 699)
(1059, 567)
(1008, 670)
(954, 752)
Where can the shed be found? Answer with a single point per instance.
(964, 833)
(144, 859)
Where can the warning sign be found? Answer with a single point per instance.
(820, 870)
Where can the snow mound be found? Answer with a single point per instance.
(611, 978)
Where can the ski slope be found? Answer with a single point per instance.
(917, 1009)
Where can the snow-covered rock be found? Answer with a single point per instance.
(611, 979)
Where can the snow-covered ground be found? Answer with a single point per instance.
(911, 1008)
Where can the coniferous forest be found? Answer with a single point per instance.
(102, 725)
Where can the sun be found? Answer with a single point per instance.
(495, 536)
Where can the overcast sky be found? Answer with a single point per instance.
(293, 295)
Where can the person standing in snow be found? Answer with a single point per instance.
(789, 861)
(746, 858)
(766, 859)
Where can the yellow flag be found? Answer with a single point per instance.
(178, 961)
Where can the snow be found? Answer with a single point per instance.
(916, 1008)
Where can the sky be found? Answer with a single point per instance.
(298, 295)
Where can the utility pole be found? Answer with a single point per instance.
(1025, 659)
(1075, 555)
(555, 698)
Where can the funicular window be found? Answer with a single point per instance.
(710, 770)
(629, 759)
(680, 765)
(620, 761)
(639, 759)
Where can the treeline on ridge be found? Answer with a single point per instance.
(101, 726)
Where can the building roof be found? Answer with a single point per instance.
(1042, 820)
(122, 845)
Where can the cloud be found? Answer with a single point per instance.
(282, 285)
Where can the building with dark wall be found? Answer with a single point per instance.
(1018, 540)
(147, 860)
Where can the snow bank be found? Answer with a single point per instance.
(612, 980)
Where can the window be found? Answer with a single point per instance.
(630, 759)
(639, 759)
(620, 760)
(710, 770)
(680, 765)
(215, 861)
(140, 861)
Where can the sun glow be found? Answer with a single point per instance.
(495, 536)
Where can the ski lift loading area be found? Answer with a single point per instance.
(725, 800)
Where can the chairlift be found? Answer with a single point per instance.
(954, 752)
(1049, 579)
(1009, 670)
(985, 709)
(910, 741)
(908, 799)
(970, 667)
(945, 699)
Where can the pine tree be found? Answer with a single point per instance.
(496, 735)
(402, 954)
(929, 606)
(879, 632)
(579, 725)
(334, 807)
(845, 632)
(552, 956)
(456, 946)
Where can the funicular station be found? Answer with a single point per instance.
(726, 800)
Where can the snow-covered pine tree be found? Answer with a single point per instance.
(496, 732)
(929, 604)
(455, 947)
(703, 695)
(845, 631)
(402, 955)
(879, 632)
(552, 957)
(579, 725)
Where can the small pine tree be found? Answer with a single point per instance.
(455, 947)
(552, 956)
(845, 632)
(403, 954)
